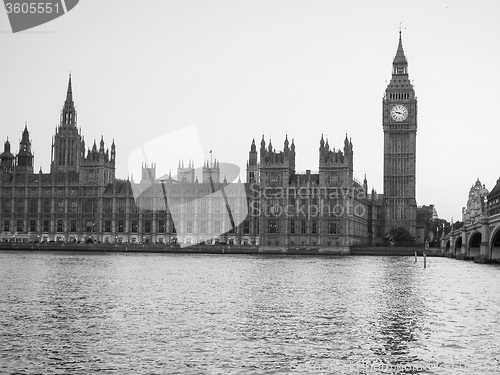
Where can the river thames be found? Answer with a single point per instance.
(239, 314)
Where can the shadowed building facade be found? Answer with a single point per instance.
(80, 199)
(324, 209)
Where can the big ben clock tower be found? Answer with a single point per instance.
(400, 133)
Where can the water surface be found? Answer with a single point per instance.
(220, 314)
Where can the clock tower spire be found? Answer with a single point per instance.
(400, 132)
(400, 65)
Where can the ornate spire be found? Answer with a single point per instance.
(69, 94)
(400, 64)
(68, 115)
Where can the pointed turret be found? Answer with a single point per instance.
(286, 141)
(24, 156)
(253, 148)
(101, 144)
(7, 159)
(113, 151)
(68, 114)
(26, 134)
(252, 163)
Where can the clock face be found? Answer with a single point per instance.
(399, 112)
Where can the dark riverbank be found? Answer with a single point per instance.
(401, 251)
(213, 249)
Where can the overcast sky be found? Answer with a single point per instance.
(239, 69)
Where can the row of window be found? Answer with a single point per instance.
(134, 226)
(79, 226)
(34, 192)
(86, 226)
(493, 202)
(494, 211)
(300, 227)
(399, 95)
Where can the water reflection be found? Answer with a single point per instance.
(133, 313)
(401, 311)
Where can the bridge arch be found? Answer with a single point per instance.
(447, 247)
(458, 246)
(474, 248)
(495, 244)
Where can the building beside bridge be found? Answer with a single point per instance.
(479, 237)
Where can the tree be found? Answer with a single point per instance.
(458, 225)
(400, 237)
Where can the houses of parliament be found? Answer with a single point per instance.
(81, 200)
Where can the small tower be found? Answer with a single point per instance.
(276, 168)
(211, 171)
(7, 159)
(148, 174)
(97, 168)
(348, 152)
(113, 152)
(24, 156)
(336, 167)
(101, 144)
(185, 174)
(252, 164)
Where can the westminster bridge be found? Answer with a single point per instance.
(479, 237)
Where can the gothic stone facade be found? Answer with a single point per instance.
(81, 200)
(324, 209)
